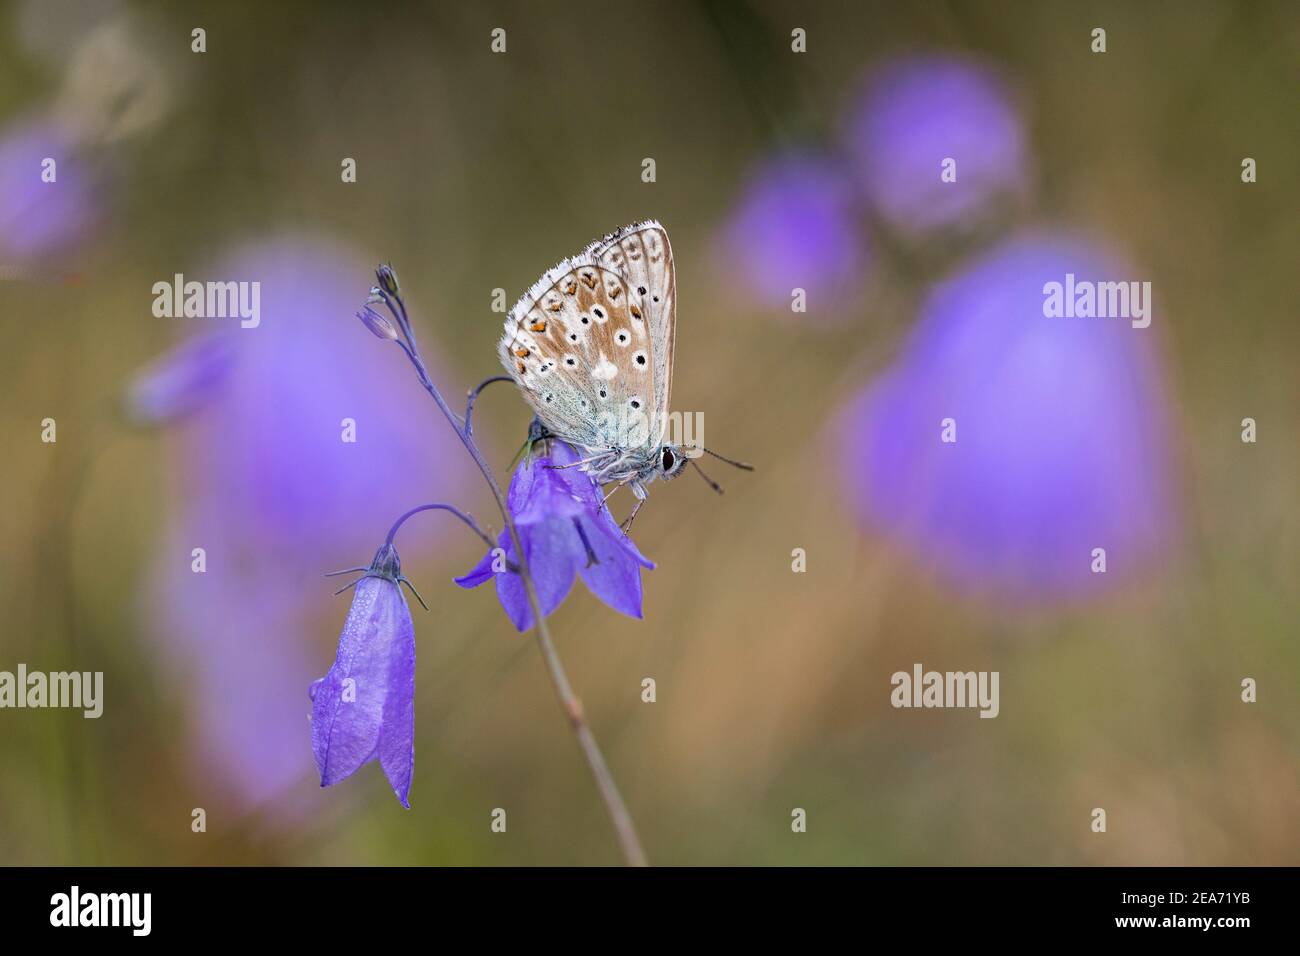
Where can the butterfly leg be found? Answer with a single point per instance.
(639, 490)
(580, 462)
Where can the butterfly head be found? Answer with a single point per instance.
(669, 461)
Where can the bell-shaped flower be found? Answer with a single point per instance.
(565, 530)
(1010, 450)
(364, 708)
(795, 227)
(937, 143)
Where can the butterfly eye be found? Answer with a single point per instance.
(668, 460)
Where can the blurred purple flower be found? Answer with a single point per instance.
(269, 489)
(916, 113)
(364, 708)
(39, 218)
(1061, 427)
(183, 380)
(795, 227)
(565, 529)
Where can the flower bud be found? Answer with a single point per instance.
(377, 323)
(388, 280)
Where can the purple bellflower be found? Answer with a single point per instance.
(364, 708)
(44, 209)
(796, 227)
(1057, 433)
(916, 114)
(565, 530)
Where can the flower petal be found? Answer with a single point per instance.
(541, 490)
(616, 578)
(397, 732)
(482, 572)
(554, 552)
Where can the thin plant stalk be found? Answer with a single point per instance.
(389, 293)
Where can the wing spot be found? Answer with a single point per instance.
(589, 280)
(570, 361)
(640, 358)
(622, 338)
(538, 327)
(640, 290)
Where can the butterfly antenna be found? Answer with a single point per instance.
(712, 484)
(744, 466)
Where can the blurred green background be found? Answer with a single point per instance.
(478, 171)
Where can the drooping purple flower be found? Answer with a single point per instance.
(914, 114)
(364, 708)
(267, 485)
(1060, 425)
(795, 228)
(565, 530)
(44, 208)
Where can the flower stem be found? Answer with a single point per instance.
(473, 525)
(628, 840)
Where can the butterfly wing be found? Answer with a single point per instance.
(579, 348)
(642, 253)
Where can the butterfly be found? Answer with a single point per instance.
(590, 346)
